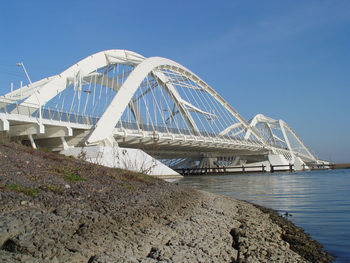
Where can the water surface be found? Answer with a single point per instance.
(318, 201)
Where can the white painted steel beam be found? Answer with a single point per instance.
(26, 129)
(55, 131)
(282, 126)
(44, 92)
(231, 128)
(116, 108)
(177, 100)
(298, 139)
(111, 116)
(4, 124)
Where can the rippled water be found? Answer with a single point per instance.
(318, 201)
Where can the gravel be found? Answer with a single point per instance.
(59, 209)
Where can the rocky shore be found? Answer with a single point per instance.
(59, 209)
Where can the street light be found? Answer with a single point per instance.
(20, 64)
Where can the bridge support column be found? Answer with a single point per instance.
(32, 142)
(4, 125)
(207, 162)
(64, 143)
(236, 161)
(299, 164)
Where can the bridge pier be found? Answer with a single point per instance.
(4, 125)
(124, 158)
(207, 162)
(32, 142)
(64, 143)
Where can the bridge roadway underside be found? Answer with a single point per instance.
(165, 147)
(57, 136)
(167, 150)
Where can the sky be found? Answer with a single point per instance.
(288, 60)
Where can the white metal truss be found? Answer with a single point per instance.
(113, 113)
(40, 92)
(281, 138)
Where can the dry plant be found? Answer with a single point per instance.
(121, 159)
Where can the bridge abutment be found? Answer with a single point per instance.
(123, 158)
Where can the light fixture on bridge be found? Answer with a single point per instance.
(20, 64)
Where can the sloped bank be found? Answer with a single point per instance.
(58, 209)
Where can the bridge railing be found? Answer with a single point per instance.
(44, 112)
(67, 116)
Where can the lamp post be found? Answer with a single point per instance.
(20, 64)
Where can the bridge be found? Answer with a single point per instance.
(154, 104)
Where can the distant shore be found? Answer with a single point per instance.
(58, 209)
(341, 166)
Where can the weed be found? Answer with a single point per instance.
(20, 189)
(45, 150)
(113, 175)
(69, 175)
(126, 186)
(82, 155)
(72, 177)
(54, 188)
(147, 178)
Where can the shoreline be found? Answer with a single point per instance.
(299, 241)
(58, 209)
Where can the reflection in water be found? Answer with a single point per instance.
(318, 201)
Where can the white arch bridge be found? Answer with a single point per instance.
(153, 104)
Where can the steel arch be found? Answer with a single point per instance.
(42, 91)
(281, 125)
(111, 116)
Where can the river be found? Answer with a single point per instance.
(317, 201)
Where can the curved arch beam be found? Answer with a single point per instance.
(230, 128)
(189, 74)
(285, 125)
(105, 125)
(261, 118)
(41, 94)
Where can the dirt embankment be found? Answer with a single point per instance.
(58, 209)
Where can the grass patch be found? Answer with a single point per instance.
(72, 177)
(148, 178)
(45, 150)
(54, 188)
(69, 175)
(126, 186)
(21, 189)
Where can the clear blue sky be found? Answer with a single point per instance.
(289, 60)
